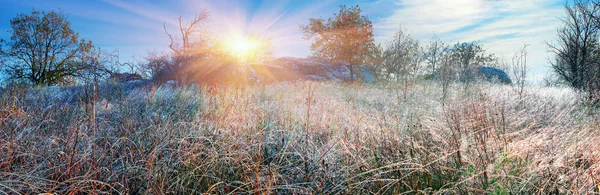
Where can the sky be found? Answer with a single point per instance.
(135, 27)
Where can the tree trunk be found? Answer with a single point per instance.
(351, 73)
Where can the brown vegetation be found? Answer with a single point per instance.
(284, 139)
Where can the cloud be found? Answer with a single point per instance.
(425, 17)
(502, 26)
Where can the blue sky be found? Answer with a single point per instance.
(135, 27)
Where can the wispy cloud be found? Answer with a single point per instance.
(501, 26)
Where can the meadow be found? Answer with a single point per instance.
(298, 138)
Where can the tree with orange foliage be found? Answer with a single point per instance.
(345, 38)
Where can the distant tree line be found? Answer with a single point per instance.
(404, 58)
(346, 38)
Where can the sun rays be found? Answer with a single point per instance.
(241, 46)
(273, 20)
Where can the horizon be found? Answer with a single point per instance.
(136, 27)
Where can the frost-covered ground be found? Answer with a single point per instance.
(299, 138)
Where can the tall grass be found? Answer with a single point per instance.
(298, 138)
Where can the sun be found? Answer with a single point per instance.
(247, 49)
(242, 46)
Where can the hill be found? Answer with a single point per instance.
(291, 69)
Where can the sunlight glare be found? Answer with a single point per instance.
(242, 47)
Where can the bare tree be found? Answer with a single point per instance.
(199, 56)
(401, 61)
(552, 80)
(156, 64)
(433, 52)
(401, 57)
(519, 70)
(446, 70)
(100, 64)
(189, 48)
(576, 50)
(191, 40)
(591, 8)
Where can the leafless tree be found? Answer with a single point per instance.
(447, 70)
(576, 51)
(519, 70)
(190, 48)
(191, 40)
(401, 58)
(156, 64)
(98, 63)
(552, 80)
(433, 52)
(591, 8)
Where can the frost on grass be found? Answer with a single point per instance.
(341, 139)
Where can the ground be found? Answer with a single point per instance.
(299, 138)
